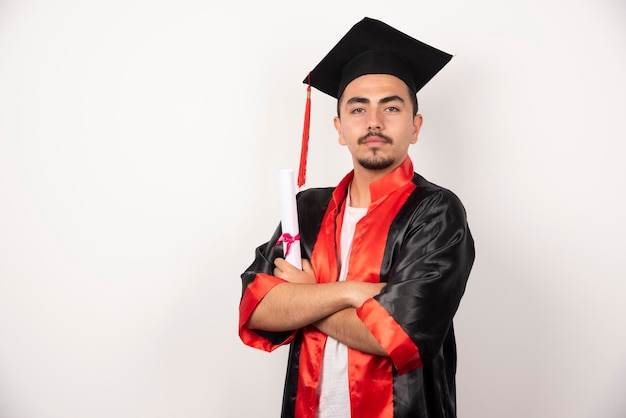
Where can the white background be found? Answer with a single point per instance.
(140, 144)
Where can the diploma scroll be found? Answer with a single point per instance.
(289, 215)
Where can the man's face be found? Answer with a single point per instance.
(377, 123)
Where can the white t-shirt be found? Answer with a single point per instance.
(333, 390)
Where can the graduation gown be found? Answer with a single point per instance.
(415, 238)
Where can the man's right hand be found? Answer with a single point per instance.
(292, 274)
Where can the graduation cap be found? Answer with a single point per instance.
(370, 47)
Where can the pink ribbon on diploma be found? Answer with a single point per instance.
(287, 238)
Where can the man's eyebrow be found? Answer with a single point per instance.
(384, 100)
(354, 100)
(391, 99)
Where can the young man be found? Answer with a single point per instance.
(386, 254)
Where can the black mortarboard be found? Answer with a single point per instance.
(373, 47)
(370, 47)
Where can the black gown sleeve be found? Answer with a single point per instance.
(427, 265)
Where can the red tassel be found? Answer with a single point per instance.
(305, 136)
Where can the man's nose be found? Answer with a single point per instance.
(374, 122)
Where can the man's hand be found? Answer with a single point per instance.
(362, 291)
(292, 274)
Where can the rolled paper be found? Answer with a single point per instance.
(290, 237)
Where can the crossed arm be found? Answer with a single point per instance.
(331, 307)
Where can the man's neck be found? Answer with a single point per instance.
(359, 193)
(360, 196)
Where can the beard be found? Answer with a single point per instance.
(375, 161)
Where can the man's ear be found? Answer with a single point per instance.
(417, 125)
(337, 123)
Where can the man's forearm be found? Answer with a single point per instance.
(290, 306)
(346, 327)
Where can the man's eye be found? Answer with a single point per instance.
(357, 110)
(392, 109)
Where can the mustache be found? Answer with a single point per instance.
(377, 134)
